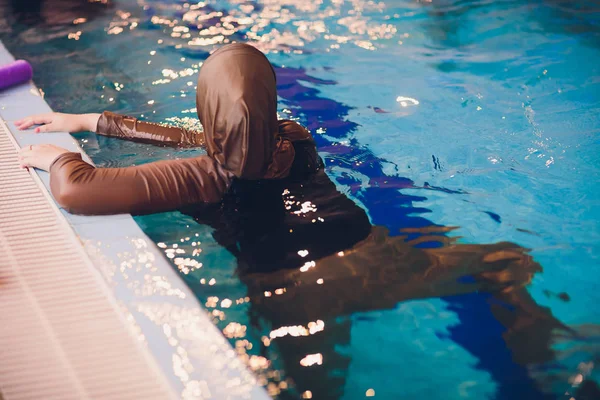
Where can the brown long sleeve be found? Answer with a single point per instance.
(124, 127)
(161, 186)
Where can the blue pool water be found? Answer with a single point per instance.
(476, 115)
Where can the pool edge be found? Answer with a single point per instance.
(191, 352)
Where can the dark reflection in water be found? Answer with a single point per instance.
(52, 12)
(588, 390)
(308, 253)
(499, 322)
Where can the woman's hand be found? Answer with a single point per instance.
(40, 156)
(59, 122)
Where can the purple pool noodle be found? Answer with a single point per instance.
(15, 73)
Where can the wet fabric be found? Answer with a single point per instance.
(237, 106)
(155, 187)
(128, 128)
(240, 114)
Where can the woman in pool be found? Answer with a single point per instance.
(237, 105)
(262, 187)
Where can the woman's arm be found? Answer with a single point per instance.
(115, 125)
(124, 127)
(161, 186)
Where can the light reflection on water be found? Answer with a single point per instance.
(497, 100)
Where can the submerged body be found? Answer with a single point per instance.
(309, 256)
(262, 187)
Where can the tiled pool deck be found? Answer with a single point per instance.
(195, 358)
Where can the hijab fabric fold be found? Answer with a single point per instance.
(236, 99)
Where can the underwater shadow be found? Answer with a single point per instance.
(309, 254)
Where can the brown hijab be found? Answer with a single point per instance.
(236, 101)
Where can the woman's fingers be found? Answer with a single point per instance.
(29, 155)
(24, 123)
(39, 156)
(40, 119)
(44, 128)
(25, 156)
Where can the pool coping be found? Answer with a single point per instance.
(194, 356)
